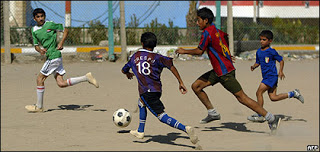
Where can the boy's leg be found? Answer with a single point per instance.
(261, 89)
(156, 107)
(142, 120)
(273, 121)
(75, 80)
(164, 118)
(229, 82)
(202, 82)
(292, 94)
(72, 81)
(38, 107)
(272, 92)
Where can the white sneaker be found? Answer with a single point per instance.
(34, 108)
(92, 80)
(193, 137)
(298, 95)
(137, 134)
(256, 118)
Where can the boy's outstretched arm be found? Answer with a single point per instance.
(125, 70)
(281, 74)
(254, 66)
(175, 72)
(196, 51)
(64, 37)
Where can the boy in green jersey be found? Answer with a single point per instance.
(45, 34)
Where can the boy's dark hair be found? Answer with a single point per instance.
(267, 33)
(204, 13)
(38, 10)
(149, 40)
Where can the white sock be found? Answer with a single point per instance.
(40, 92)
(212, 112)
(76, 80)
(269, 117)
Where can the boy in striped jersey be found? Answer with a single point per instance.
(45, 34)
(215, 42)
(147, 67)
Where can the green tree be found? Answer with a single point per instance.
(193, 33)
(131, 33)
(74, 36)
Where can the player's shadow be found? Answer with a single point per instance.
(234, 126)
(242, 128)
(289, 118)
(168, 139)
(75, 108)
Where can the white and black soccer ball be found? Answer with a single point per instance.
(121, 118)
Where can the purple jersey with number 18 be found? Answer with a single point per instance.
(147, 67)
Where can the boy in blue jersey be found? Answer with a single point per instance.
(45, 33)
(266, 58)
(147, 67)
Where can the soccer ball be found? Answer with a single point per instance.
(121, 118)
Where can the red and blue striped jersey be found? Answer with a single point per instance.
(147, 67)
(213, 41)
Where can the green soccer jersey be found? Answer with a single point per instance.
(47, 36)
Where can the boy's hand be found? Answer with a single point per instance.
(281, 75)
(60, 46)
(182, 88)
(252, 68)
(43, 51)
(129, 75)
(179, 51)
(233, 59)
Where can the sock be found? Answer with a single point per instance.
(290, 94)
(212, 112)
(76, 80)
(40, 92)
(142, 117)
(171, 122)
(269, 117)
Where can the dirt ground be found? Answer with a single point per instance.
(79, 118)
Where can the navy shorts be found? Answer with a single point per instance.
(153, 102)
(271, 81)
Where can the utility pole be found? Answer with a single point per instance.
(230, 26)
(124, 54)
(68, 14)
(110, 32)
(218, 14)
(7, 48)
(255, 11)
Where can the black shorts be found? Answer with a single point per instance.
(228, 81)
(153, 102)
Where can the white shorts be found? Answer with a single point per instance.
(53, 66)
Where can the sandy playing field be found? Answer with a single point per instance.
(79, 118)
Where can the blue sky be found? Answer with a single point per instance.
(83, 11)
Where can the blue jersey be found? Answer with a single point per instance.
(147, 67)
(267, 61)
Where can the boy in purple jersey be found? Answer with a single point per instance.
(147, 67)
(266, 58)
(215, 42)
